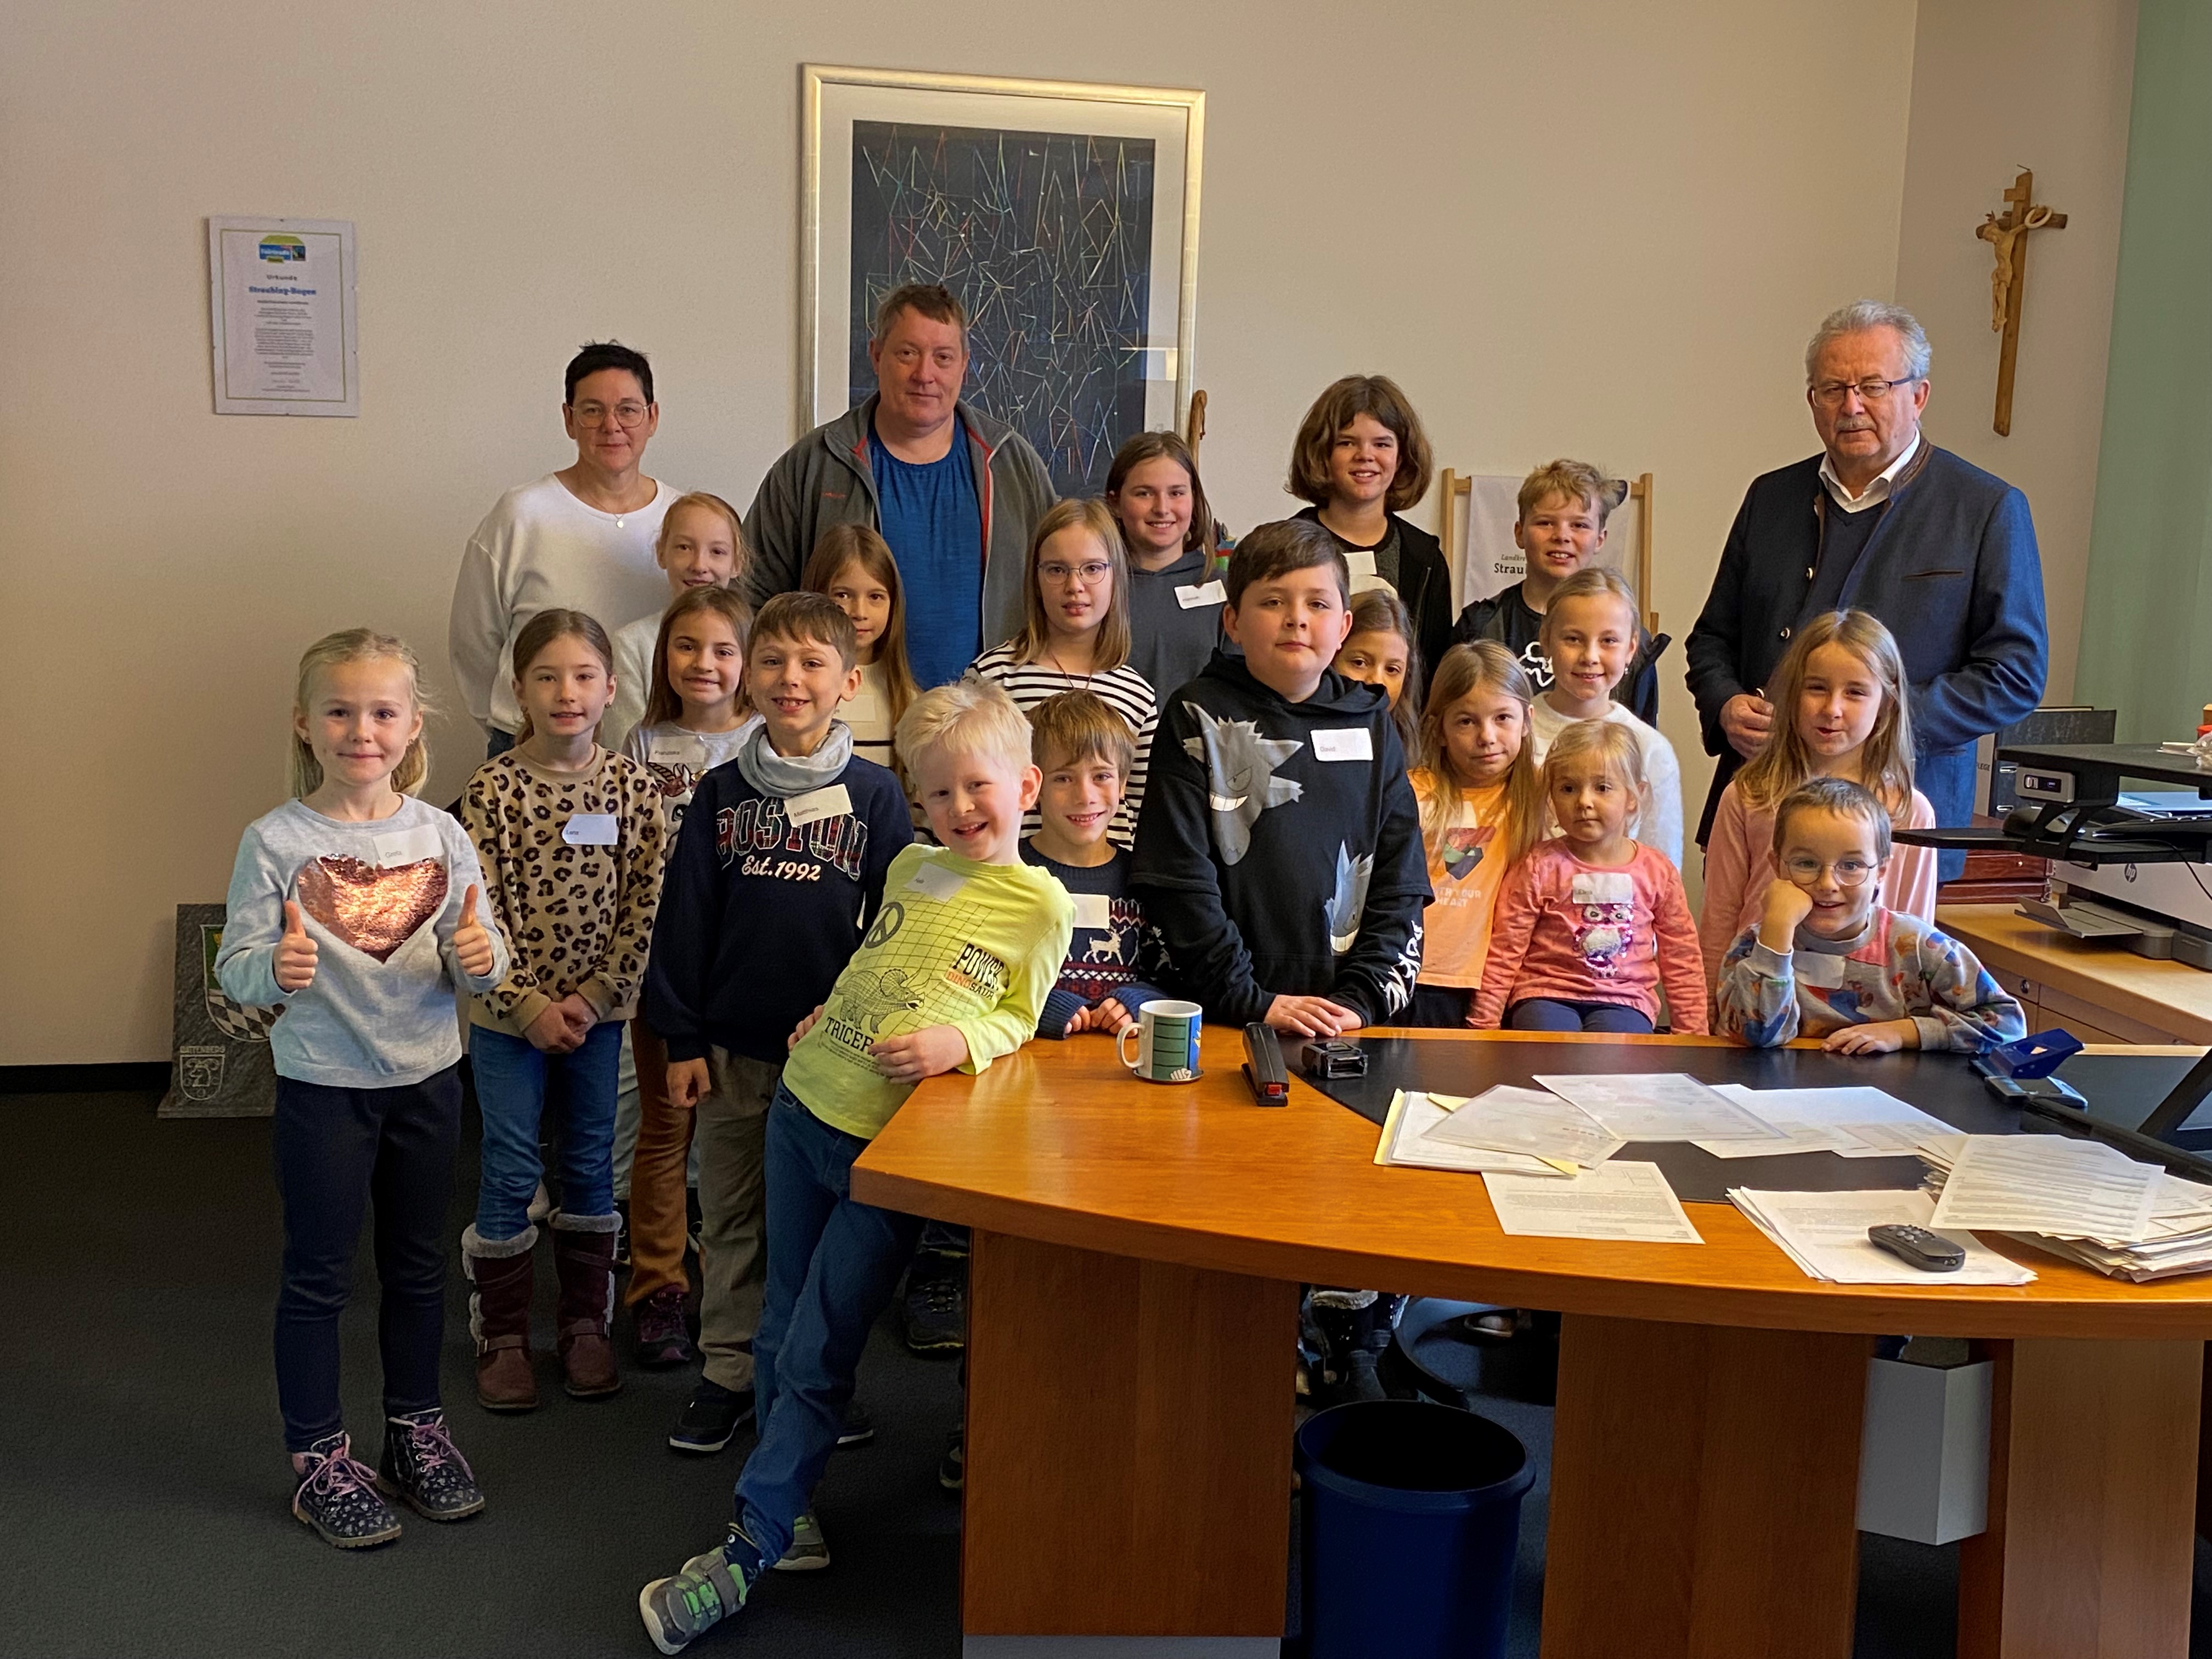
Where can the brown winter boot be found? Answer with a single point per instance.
(499, 1276)
(584, 1257)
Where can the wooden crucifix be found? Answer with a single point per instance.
(2007, 235)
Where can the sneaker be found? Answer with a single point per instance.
(663, 1340)
(935, 1311)
(421, 1466)
(952, 1467)
(338, 1496)
(712, 1417)
(859, 1429)
(807, 1553)
(679, 1609)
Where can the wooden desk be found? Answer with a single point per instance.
(1137, 1255)
(2101, 993)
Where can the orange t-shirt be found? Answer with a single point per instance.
(1466, 866)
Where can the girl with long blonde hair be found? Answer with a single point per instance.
(1842, 709)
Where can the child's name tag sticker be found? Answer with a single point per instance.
(1602, 887)
(1364, 576)
(676, 750)
(1343, 743)
(867, 707)
(396, 847)
(1190, 598)
(590, 829)
(1093, 911)
(934, 881)
(830, 803)
(1822, 970)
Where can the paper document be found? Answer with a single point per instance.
(1852, 1122)
(1532, 1120)
(1660, 1106)
(1631, 1202)
(1826, 1234)
(2047, 1184)
(1414, 1114)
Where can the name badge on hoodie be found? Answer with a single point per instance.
(590, 829)
(1191, 597)
(1343, 743)
(833, 802)
(396, 847)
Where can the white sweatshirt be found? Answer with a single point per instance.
(1658, 823)
(634, 642)
(539, 548)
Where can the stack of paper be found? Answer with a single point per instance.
(1825, 1234)
(1627, 1202)
(1853, 1122)
(1662, 1106)
(1528, 1120)
(1404, 1140)
(2082, 1200)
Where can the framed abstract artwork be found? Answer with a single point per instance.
(1064, 215)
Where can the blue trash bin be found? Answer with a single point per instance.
(1411, 1521)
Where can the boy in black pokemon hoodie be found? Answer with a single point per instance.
(1279, 849)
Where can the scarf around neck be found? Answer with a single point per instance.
(786, 775)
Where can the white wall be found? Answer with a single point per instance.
(1594, 228)
(1999, 85)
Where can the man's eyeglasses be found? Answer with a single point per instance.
(627, 416)
(1805, 870)
(1831, 392)
(1089, 573)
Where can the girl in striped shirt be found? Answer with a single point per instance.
(1076, 636)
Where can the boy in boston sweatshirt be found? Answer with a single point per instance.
(1279, 849)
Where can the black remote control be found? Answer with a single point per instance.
(1263, 1065)
(1931, 1252)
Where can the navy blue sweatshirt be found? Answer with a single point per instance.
(758, 919)
(1270, 870)
(1949, 563)
(1111, 953)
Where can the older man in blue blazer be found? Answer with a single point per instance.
(1882, 520)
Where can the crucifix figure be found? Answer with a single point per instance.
(2007, 235)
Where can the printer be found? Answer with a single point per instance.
(2128, 831)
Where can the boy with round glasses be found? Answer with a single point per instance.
(1826, 960)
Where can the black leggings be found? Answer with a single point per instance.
(337, 1149)
(1543, 1014)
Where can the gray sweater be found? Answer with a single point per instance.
(825, 479)
(380, 900)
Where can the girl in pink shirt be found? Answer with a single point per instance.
(1592, 926)
(1842, 711)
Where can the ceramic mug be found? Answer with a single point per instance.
(1167, 1042)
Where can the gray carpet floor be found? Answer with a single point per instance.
(143, 1488)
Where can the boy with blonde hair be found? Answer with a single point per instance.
(952, 974)
(1559, 525)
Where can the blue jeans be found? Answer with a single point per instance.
(337, 1151)
(511, 1076)
(832, 1266)
(1544, 1014)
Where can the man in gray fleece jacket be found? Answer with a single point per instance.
(956, 493)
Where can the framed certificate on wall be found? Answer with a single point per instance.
(281, 302)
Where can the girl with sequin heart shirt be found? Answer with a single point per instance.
(357, 912)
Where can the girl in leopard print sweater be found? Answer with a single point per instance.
(571, 835)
